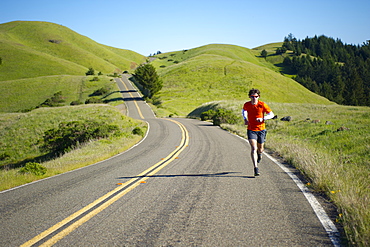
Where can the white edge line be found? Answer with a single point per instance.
(326, 222)
(23, 185)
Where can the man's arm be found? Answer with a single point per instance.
(245, 116)
(269, 115)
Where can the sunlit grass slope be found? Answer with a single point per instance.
(223, 72)
(31, 49)
(22, 94)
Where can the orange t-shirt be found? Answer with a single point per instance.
(254, 112)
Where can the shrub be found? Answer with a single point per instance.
(34, 168)
(91, 71)
(156, 100)
(4, 156)
(56, 100)
(207, 115)
(100, 91)
(105, 130)
(94, 100)
(70, 134)
(224, 116)
(95, 79)
(76, 102)
(138, 131)
(219, 116)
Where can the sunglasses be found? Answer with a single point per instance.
(252, 96)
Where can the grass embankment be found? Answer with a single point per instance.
(20, 132)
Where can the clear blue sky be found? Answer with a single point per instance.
(148, 26)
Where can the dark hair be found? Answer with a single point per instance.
(254, 91)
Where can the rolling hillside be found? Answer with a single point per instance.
(223, 72)
(31, 49)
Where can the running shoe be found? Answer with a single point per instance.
(256, 171)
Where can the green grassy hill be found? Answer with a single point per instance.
(32, 49)
(224, 72)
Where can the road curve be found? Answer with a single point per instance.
(188, 183)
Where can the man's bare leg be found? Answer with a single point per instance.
(260, 149)
(254, 148)
(256, 154)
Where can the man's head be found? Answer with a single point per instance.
(254, 92)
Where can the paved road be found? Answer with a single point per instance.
(188, 183)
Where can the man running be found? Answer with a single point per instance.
(254, 116)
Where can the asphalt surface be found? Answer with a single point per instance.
(188, 183)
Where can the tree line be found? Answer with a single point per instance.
(337, 71)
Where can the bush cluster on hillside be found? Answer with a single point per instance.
(94, 100)
(91, 71)
(100, 91)
(71, 134)
(56, 100)
(219, 116)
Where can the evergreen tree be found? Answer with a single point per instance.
(287, 62)
(338, 87)
(147, 76)
(339, 71)
(264, 53)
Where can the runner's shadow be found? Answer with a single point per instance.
(220, 174)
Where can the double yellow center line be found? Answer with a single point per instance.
(137, 107)
(69, 224)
